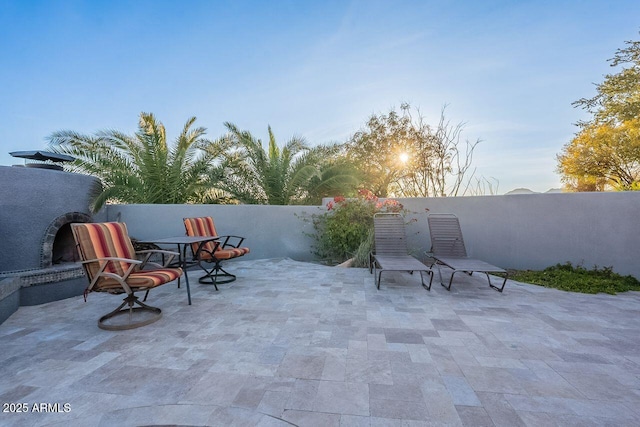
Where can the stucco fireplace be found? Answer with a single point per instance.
(38, 261)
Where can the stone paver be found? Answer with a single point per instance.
(292, 343)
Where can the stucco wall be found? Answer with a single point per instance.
(30, 199)
(515, 231)
(270, 231)
(538, 230)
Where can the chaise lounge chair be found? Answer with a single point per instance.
(391, 252)
(111, 265)
(226, 247)
(448, 249)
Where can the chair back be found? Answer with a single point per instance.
(446, 236)
(100, 240)
(390, 237)
(202, 226)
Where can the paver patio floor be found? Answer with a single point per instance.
(292, 343)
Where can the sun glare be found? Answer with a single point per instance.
(404, 157)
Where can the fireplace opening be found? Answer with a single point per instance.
(58, 245)
(64, 247)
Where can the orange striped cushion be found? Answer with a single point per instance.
(142, 279)
(204, 226)
(111, 239)
(226, 253)
(201, 227)
(101, 240)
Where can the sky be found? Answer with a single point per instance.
(509, 70)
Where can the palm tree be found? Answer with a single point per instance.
(143, 168)
(335, 175)
(276, 176)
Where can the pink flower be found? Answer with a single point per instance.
(390, 205)
(330, 205)
(368, 195)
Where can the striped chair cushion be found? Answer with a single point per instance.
(201, 227)
(102, 240)
(111, 239)
(142, 279)
(226, 253)
(204, 226)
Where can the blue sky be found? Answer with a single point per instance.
(318, 69)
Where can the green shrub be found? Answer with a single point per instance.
(346, 230)
(361, 255)
(571, 278)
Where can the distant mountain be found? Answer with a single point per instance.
(520, 191)
(554, 190)
(527, 191)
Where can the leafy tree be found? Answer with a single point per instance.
(404, 156)
(143, 168)
(603, 156)
(294, 173)
(377, 149)
(618, 96)
(605, 153)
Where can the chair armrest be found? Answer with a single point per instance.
(158, 251)
(201, 247)
(101, 273)
(227, 243)
(150, 252)
(127, 260)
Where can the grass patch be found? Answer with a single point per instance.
(571, 278)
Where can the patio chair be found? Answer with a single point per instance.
(111, 265)
(391, 253)
(213, 252)
(448, 249)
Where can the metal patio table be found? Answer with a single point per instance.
(182, 242)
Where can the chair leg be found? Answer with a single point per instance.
(130, 301)
(225, 273)
(208, 278)
(430, 279)
(499, 289)
(376, 274)
(453, 273)
(439, 274)
(214, 276)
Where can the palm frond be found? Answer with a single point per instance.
(143, 168)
